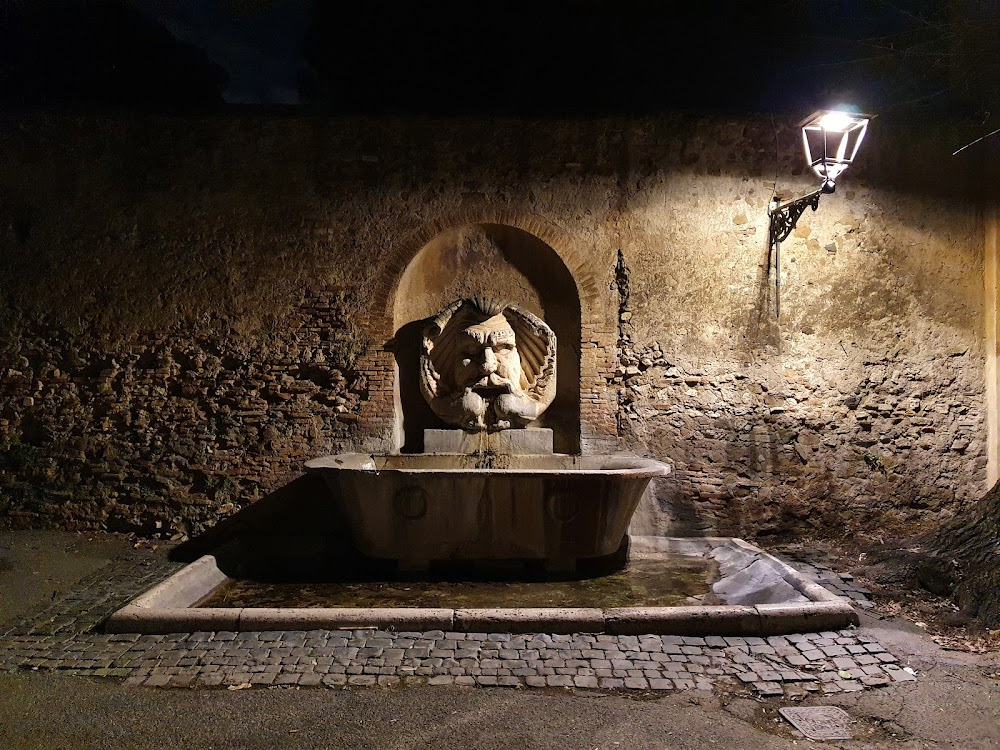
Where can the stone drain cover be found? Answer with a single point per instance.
(819, 722)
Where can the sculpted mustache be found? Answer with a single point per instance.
(492, 380)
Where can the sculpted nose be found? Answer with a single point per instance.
(489, 361)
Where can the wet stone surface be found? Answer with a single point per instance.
(65, 636)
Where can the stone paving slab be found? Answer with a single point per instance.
(842, 584)
(66, 637)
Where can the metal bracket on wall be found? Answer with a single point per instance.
(784, 217)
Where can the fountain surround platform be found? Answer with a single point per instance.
(761, 596)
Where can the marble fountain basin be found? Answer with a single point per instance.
(416, 508)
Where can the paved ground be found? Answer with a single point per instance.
(416, 689)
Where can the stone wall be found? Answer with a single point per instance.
(194, 307)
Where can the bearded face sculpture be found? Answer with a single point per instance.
(487, 366)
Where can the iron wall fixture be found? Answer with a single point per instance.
(831, 139)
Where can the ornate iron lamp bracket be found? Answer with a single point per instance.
(831, 139)
(784, 217)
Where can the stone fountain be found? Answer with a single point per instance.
(491, 487)
(474, 385)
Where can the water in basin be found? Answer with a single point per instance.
(662, 582)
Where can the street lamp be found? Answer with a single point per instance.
(831, 139)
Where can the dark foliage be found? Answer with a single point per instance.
(84, 54)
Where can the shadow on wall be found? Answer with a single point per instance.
(761, 330)
(417, 413)
(668, 507)
(666, 511)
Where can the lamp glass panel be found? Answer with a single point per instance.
(831, 140)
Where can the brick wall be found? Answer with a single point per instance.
(192, 308)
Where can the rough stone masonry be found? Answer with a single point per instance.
(192, 308)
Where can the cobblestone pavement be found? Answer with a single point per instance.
(66, 637)
(814, 566)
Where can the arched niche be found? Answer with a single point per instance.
(494, 260)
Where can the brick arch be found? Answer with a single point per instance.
(581, 265)
(380, 428)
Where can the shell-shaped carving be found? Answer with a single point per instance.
(536, 343)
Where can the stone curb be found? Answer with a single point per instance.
(761, 620)
(700, 620)
(171, 607)
(341, 618)
(530, 620)
(186, 587)
(163, 620)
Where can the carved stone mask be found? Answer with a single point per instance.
(486, 366)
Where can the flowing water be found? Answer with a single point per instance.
(662, 582)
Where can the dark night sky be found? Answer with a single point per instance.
(504, 58)
(515, 56)
(258, 43)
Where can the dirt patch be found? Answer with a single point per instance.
(893, 571)
(938, 615)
